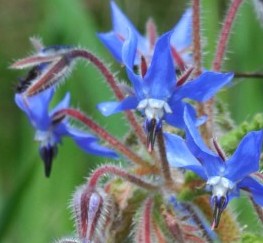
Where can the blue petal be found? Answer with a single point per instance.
(204, 87)
(129, 50)
(179, 155)
(160, 78)
(176, 117)
(60, 131)
(109, 108)
(246, 158)
(36, 108)
(128, 56)
(137, 84)
(89, 143)
(114, 40)
(121, 24)
(254, 187)
(212, 163)
(113, 43)
(182, 33)
(62, 104)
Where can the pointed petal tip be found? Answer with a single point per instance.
(47, 154)
(47, 172)
(213, 225)
(150, 147)
(152, 128)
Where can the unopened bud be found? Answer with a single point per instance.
(91, 211)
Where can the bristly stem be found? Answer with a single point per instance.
(147, 220)
(207, 108)
(225, 33)
(60, 65)
(197, 38)
(197, 52)
(98, 173)
(165, 168)
(102, 133)
(258, 209)
(114, 86)
(82, 53)
(57, 69)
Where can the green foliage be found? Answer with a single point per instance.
(231, 139)
(251, 238)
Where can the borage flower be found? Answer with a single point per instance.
(224, 178)
(181, 38)
(157, 94)
(50, 131)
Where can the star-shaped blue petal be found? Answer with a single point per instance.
(224, 178)
(114, 39)
(156, 94)
(49, 132)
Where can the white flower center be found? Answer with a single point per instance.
(154, 108)
(44, 138)
(220, 185)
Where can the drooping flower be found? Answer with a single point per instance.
(50, 131)
(181, 38)
(224, 177)
(157, 94)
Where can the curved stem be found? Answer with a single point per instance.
(98, 173)
(82, 53)
(102, 133)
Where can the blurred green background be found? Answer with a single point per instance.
(35, 209)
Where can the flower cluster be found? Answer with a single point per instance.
(165, 84)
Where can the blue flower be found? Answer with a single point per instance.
(50, 131)
(181, 39)
(223, 178)
(114, 39)
(156, 94)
